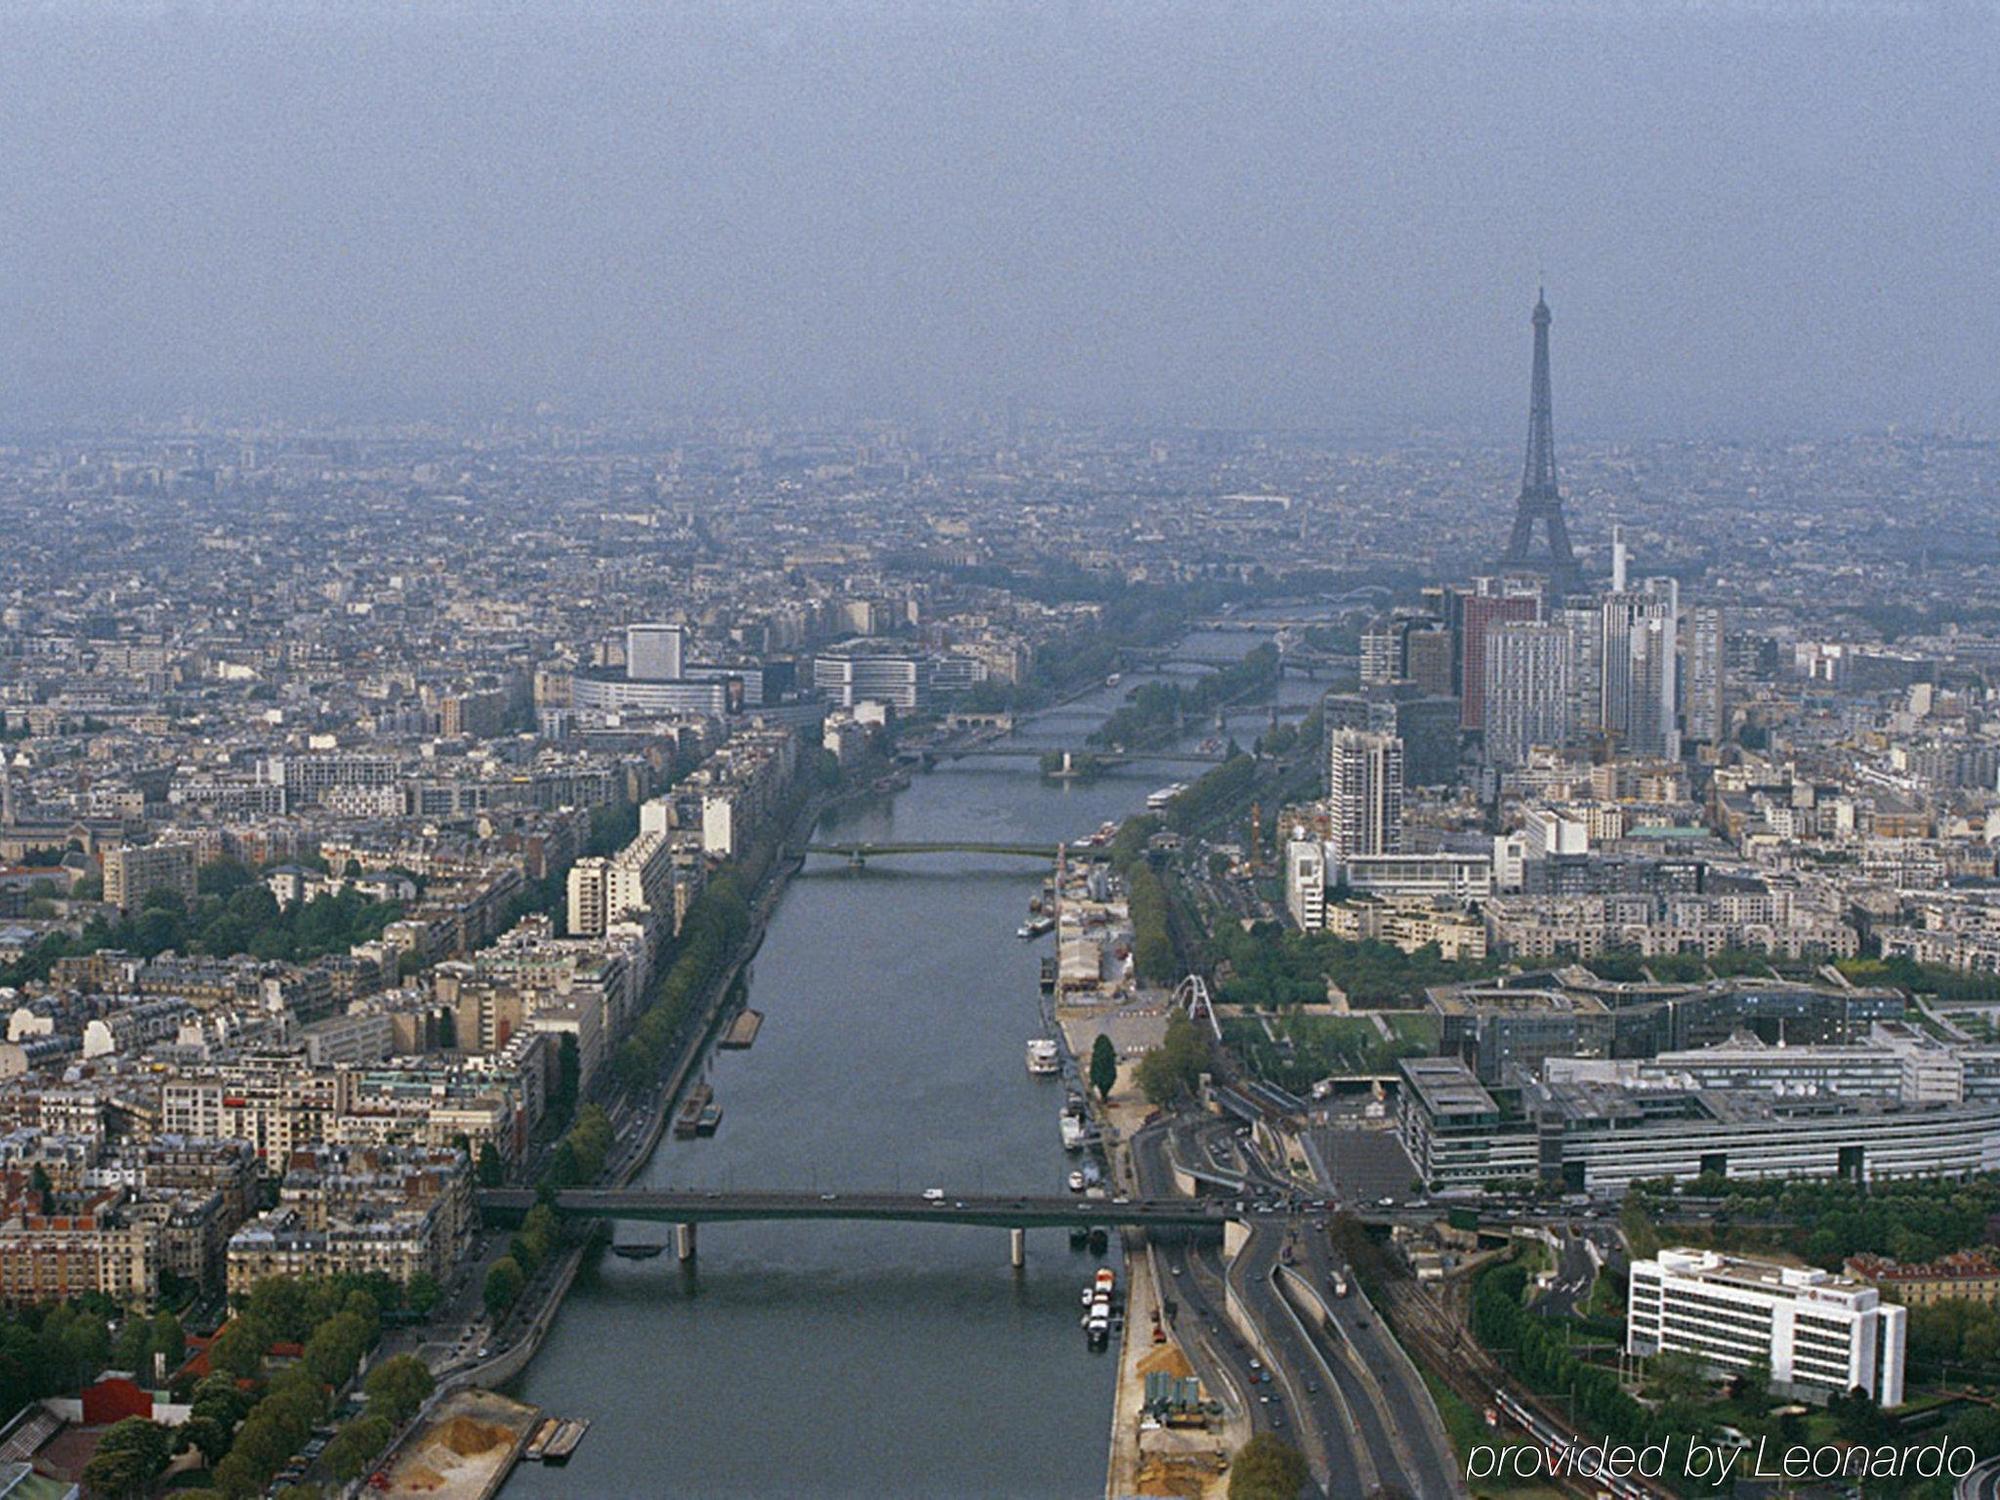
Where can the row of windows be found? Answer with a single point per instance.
(1755, 1326)
(1721, 1354)
(1726, 1304)
(1683, 1337)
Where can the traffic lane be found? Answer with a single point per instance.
(1381, 1414)
(1203, 1320)
(1322, 1414)
(1413, 1414)
(1426, 1450)
(1575, 1274)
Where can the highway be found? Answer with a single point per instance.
(1983, 1483)
(1378, 1375)
(1401, 1440)
(1343, 1442)
(1192, 1275)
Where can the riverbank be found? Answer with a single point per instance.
(899, 1360)
(1189, 1463)
(512, 1359)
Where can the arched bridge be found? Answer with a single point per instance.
(856, 854)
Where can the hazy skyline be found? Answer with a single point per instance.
(1749, 218)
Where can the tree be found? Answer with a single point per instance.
(503, 1286)
(422, 1294)
(355, 1444)
(492, 1171)
(397, 1387)
(134, 1349)
(1103, 1066)
(1175, 1066)
(129, 1457)
(1677, 1377)
(1267, 1468)
(204, 1433)
(238, 1350)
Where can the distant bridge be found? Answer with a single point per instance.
(1101, 757)
(686, 1208)
(856, 854)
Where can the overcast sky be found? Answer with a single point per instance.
(1750, 217)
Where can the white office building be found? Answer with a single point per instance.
(1305, 883)
(1816, 1331)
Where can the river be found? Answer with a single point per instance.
(864, 1359)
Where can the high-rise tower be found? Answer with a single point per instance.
(1539, 499)
(1364, 794)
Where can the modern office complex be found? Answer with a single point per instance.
(1593, 1135)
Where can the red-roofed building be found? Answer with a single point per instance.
(113, 1399)
(1963, 1276)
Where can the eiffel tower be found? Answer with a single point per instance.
(1540, 500)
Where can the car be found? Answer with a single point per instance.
(933, 1195)
(828, 1197)
(958, 1203)
(1255, 1366)
(1312, 1387)
(1265, 1398)
(1175, 1269)
(1385, 1202)
(1277, 1419)
(485, 1350)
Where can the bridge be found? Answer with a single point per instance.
(685, 1208)
(1101, 757)
(860, 854)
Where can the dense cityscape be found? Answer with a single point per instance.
(853, 751)
(1595, 941)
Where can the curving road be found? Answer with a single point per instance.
(1983, 1483)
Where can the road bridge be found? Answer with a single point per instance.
(860, 854)
(685, 1208)
(1100, 757)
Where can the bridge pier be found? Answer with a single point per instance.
(1017, 1247)
(684, 1241)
